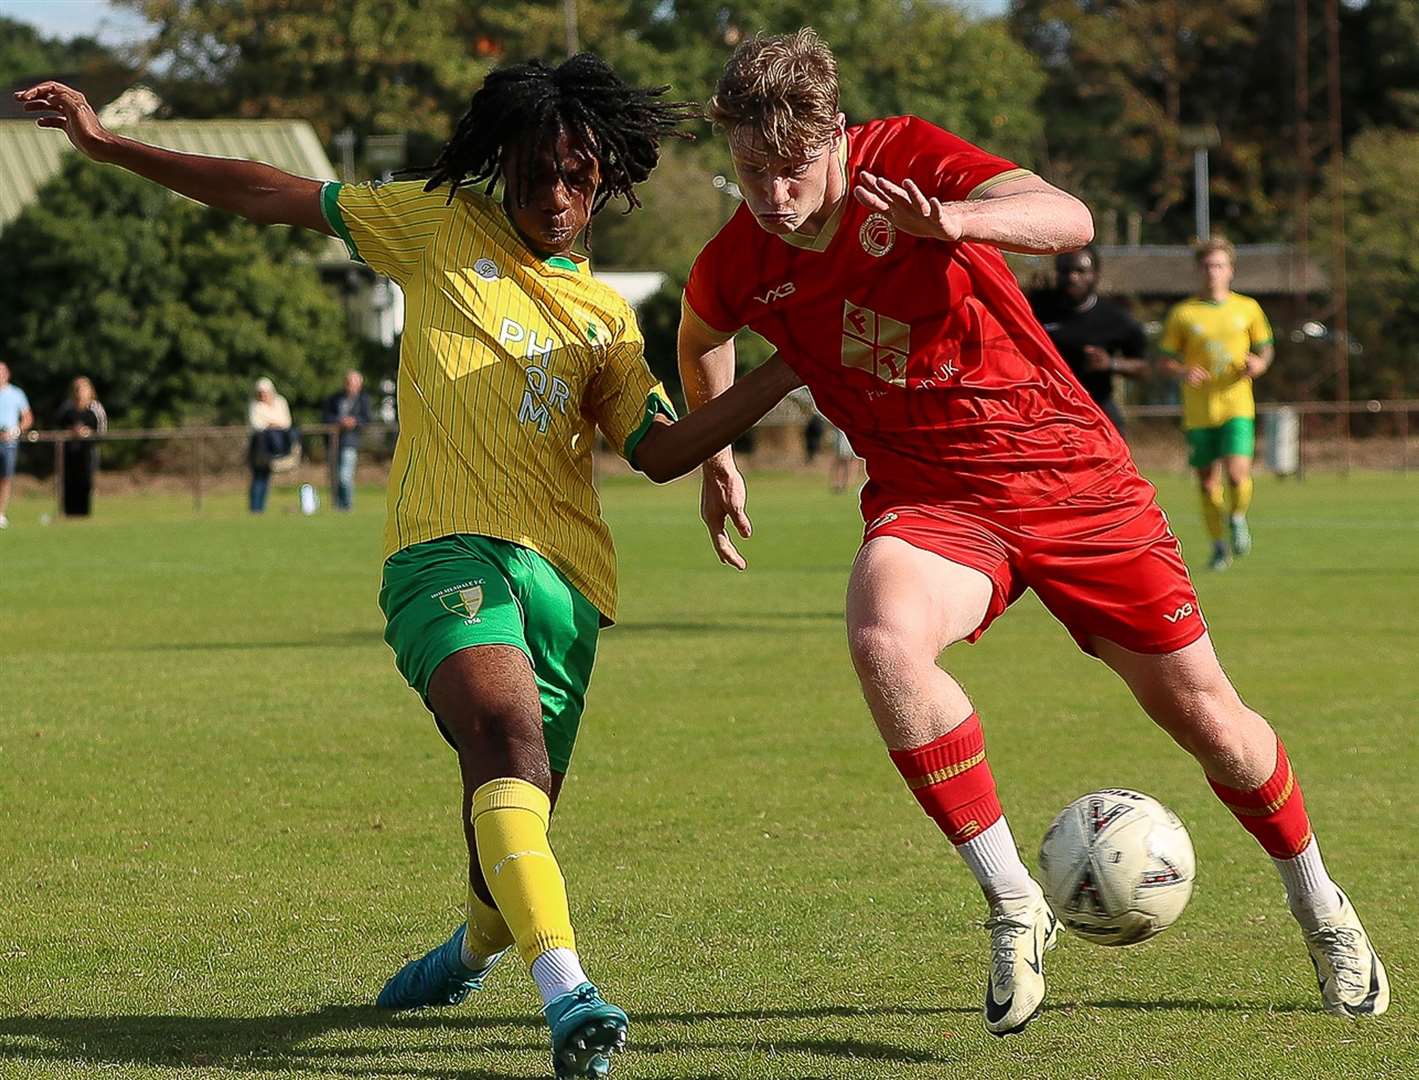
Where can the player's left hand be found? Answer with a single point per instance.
(1254, 365)
(908, 208)
(76, 118)
(1099, 359)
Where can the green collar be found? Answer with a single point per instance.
(561, 262)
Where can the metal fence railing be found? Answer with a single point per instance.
(1328, 436)
(201, 455)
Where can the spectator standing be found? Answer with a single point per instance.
(84, 418)
(15, 419)
(269, 418)
(349, 410)
(1097, 337)
(844, 462)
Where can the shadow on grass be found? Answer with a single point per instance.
(1190, 1005)
(256, 1044)
(274, 1044)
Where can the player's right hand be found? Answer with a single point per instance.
(722, 498)
(1196, 376)
(76, 118)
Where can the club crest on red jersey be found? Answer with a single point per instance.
(877, 235)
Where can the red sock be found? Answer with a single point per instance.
(1274, 813)
(951, 779)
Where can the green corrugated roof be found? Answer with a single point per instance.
(30, 155)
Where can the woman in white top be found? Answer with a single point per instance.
(269, 418)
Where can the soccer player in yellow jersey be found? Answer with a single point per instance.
(1217, 342)
(499, 571)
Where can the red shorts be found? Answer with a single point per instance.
(1103, 560)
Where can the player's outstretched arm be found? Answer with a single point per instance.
(1028, 215)
(707, 370)
(260, 193)
(669, 450)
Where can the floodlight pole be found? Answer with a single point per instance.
(570, 20)
(1201, 137)
(1200, 193)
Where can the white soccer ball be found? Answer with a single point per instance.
(1117, 866)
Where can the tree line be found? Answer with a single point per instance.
(1098, 95)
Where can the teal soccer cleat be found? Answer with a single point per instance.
(436, 978)
(586, 1031)
(1241, 537)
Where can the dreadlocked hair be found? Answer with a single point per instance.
(621, 125)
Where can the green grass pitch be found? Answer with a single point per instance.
(224, 820)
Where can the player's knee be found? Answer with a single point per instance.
(885, 653)
(501, 739)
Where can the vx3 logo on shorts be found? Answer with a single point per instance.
(778, 292)
(1181, 613)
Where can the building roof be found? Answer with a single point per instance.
(1167, 271)
(635, 286)
(30, 155)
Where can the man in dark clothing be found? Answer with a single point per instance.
(1098, 338)
(350, 411)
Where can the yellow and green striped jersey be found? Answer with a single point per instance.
(1216, 335)
(509, 364)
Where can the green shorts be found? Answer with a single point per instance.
(1236, 437)
(458, 591)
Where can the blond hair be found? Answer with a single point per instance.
(1214, 244)
(785, 87)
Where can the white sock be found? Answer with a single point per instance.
(995, 862)
(557, 972)
(1310, 893)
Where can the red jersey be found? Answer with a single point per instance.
(925, 353)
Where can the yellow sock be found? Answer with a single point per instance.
(1241, 497)
(510, 819)
(487, 931)
(1212, 511)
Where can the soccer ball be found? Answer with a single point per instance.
(1117, 866)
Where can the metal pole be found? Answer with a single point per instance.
(1341, 321)
(570, 19)
(197, 463)
(1200, 196)
(1403, 439)
(59, 478)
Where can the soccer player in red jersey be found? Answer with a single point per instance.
(871, 257)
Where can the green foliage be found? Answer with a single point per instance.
(1382, 240)
(1380, 46)
(172, 309)
(369, 65)
(1126, 81)
(25, 53)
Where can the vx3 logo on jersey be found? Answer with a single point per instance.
(778, 292)
(1181, 613)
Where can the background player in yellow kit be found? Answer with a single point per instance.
(1217, 342)
(499, 571)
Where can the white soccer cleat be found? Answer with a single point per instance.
(1020, 933)
(1352, 979)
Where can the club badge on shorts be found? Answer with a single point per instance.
(877, 235)
(463, 600)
